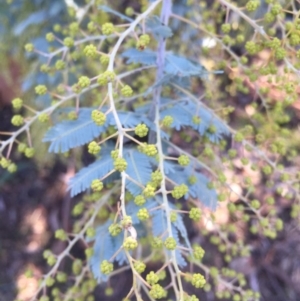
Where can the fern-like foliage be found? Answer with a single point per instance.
(179, 258)
(105, 247)
(159, 30)
(174, 64)
(198, 190)
(184, 111)
(103, 250)
(131, 119)
(83, 179)
(139, 169)
(107, 9)
(169, 79)
(146, 57)
(159, 224)
(66, 135)
(181, 66)
(73, 133)
(153, 23)
(181, 228)
(132, 209)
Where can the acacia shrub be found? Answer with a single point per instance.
(185, 107)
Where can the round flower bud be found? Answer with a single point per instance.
(143, 42)
(179, 191)
(152, 278)
(69, 42)
(41, 89)
(61, 235)
(90, 51)
(45, 68)
(43, 117)
(72, 115)
(78, 209)
(120, 164)
(141, 130)
(139, 266)
(198, 252)
(107, 28)
(156, 177)
(252, 5)
(98, 117)
(76, 266)
(226, 27)
(170, 243)
(198, 280)
(143, 214)
(50, 37)
(89, 252)
(17, 120)
(167, 121)
(139, 200)
(157, 292)
(196, 120)
(29, 152)
(150, 150)
(84, 82)
(17, 103)
(195, 214)
(90, 232)
(50, 281)
(129, 11)
(97, 185)
(126, 91)
(4, 162)
(94, 148)
(149, 191)
(12, 167)
(183, 160)
(126, 221)
(173, 217)
(91, 26)
(104, 60)
(114, 154)
(106, 77)
(29, 47)
(115, 229)
(61, 277)
(156, 243)
(130, 243)
(106, 267)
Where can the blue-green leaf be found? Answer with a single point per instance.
(72, 133)
(181, 66)
(34, 18)
(132, 209)
(146, 57)
(103, 250)
(138, 168)
(114, 12)
(199, 190)
(158, 29)
(174, 65)
(105, 247)
(183, 111)
(159, 224)
(83, 179)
